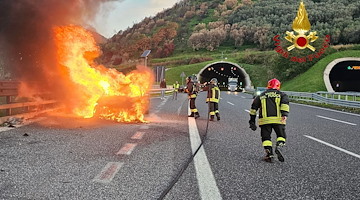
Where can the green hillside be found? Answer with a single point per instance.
(206, 26)
(194, 33)
(312, 80)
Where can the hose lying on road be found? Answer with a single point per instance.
(189, 160)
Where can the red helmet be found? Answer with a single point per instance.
(274, 84)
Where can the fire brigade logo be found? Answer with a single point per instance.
(301, 25)
(299, 39)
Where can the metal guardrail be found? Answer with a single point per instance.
(9, 90)
(158, 91)
(348, 96)
(334, 98)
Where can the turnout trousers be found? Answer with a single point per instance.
(214, 108)
(266, 130)
(192, 105)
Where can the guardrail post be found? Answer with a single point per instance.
(8, 101)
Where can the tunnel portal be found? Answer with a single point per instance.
(343, 75)
(222, 71)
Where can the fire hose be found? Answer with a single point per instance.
(189, 160)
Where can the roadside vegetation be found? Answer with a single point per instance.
(324, 105)
(312, 80)
(195, 33)
(203, 27)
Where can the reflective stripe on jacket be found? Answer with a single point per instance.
(273, 105)
(176, 87)
(213, 94)
(191, 90)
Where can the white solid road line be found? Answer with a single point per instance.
(230, 103)
(336, 120)
(299, 104)
(205, 177)
(333, 146)
(108, 172)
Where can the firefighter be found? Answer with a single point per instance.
(163, 87)
(213, 97)
(176, 87)
(192, 93)
(273, 108)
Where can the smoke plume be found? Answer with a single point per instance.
(27, 49)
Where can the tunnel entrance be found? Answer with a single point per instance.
(222, 71)
(343, 75)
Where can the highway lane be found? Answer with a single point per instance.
(71, 162)
(312, 170)
(69, 158)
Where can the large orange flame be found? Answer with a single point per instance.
(108, 92)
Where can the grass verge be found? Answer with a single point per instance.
(335, 107)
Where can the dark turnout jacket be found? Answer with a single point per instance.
(213, 93)
(191, 89)
(273, 105)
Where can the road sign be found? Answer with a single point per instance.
(145, 54)
(182, 75)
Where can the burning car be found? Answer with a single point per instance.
(121, 108)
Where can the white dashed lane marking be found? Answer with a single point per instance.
(138, 135)
(144, 127)
(126, 149)
(333, 146)
(230, 103)
(108, 172)
(336, 120)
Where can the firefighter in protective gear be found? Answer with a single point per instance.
(273, 108)
(192, 94)
(176, 87)
(213, 97)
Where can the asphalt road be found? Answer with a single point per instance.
(61, 157)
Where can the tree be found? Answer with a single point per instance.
(217, 24)
(189, 14)
(199, 27)
(215, 38)
(230, 4)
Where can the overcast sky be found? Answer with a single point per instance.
(118, 15)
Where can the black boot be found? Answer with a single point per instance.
(196, 115)
(269, 157)
(278, 151)
(218, 116)
(191, 115)
(211, 118)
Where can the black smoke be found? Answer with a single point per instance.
(27, 48)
